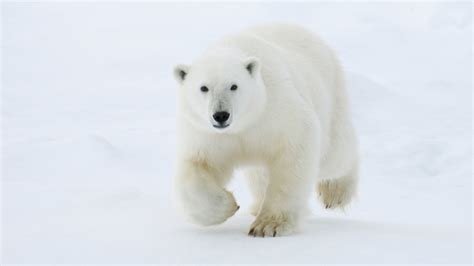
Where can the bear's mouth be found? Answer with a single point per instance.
(220, 126)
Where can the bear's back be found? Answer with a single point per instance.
(288, 37)
(299, 43)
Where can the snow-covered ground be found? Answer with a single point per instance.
(88, 134)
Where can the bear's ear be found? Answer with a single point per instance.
(252, 64)
(180, 72)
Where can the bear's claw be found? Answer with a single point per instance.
(272, 225)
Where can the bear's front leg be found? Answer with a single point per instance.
(290, 184)
(201, 193)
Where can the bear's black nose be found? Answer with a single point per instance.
(221, 117)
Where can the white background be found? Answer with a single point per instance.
(88, 134)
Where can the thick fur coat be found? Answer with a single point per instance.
(270, 100)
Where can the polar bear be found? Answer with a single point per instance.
(270, 100)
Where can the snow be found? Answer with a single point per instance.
(88, 134)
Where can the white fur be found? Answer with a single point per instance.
(289, 126)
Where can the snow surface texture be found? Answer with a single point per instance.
(88, 110)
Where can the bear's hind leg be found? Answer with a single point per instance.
(338, 192)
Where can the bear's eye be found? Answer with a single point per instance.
(204, 89)
(233, 87)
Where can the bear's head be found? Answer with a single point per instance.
(221, 92)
